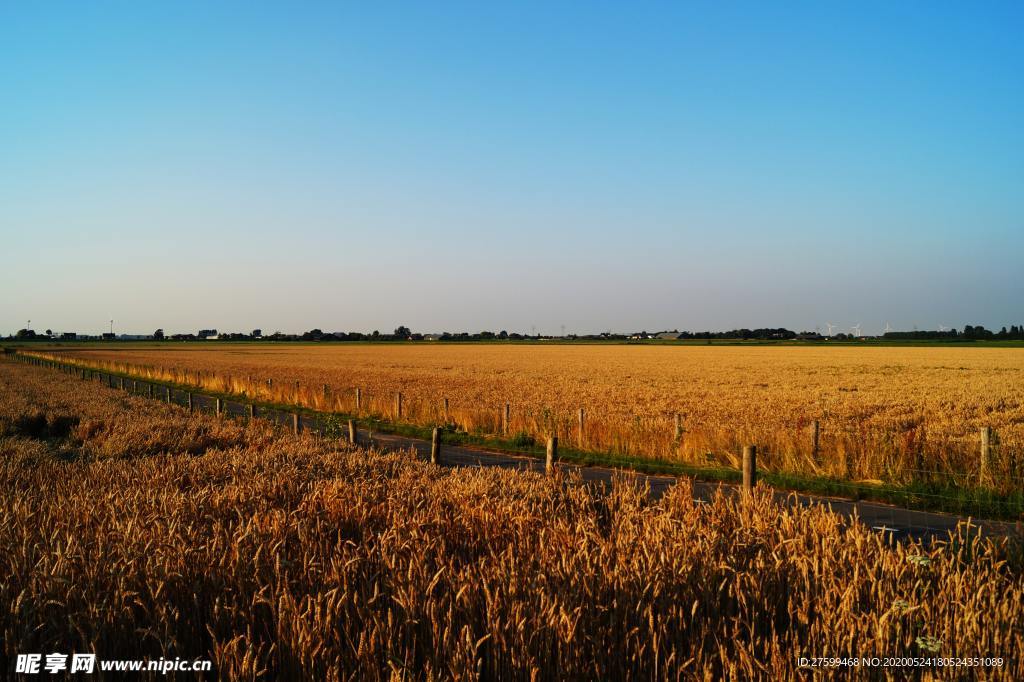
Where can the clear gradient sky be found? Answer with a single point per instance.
(472, 166)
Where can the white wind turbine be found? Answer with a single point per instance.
(830, 326)
(887, 328)
(856, 329)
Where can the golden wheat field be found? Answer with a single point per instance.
(133, 528)
(887, 414)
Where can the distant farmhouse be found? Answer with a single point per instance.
(207, 334)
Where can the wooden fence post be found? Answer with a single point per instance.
(149, 390)
(446, 410)
(220, 407)
(295, 423)
(188, 396)
(581, 417)
(986, 453)
(325, 390)
(169, 394)
(679, 428)
(749, 467)
(252, 411)
(552, 455)
(815, 435)
(435, 446)
(359, 399)
(507, 419)
(398, 405)
(352, 431)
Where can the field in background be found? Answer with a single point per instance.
(132, 528)
(886, 414)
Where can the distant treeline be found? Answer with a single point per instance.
(970, 333)
(402, 333)
(745, 334)
(405, 334)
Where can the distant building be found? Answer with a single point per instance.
(68, 336)
(432, 337)
(207, 333)
(668, 336)
(109, 336)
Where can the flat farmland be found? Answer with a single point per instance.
(885, 414)
(137, 529)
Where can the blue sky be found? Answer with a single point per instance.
(471, 166)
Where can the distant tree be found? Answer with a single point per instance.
(376, 334)
(503, 334)
(978, 332)
(25, 334)
(158, 335)
(403, 332)
(49, 333)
